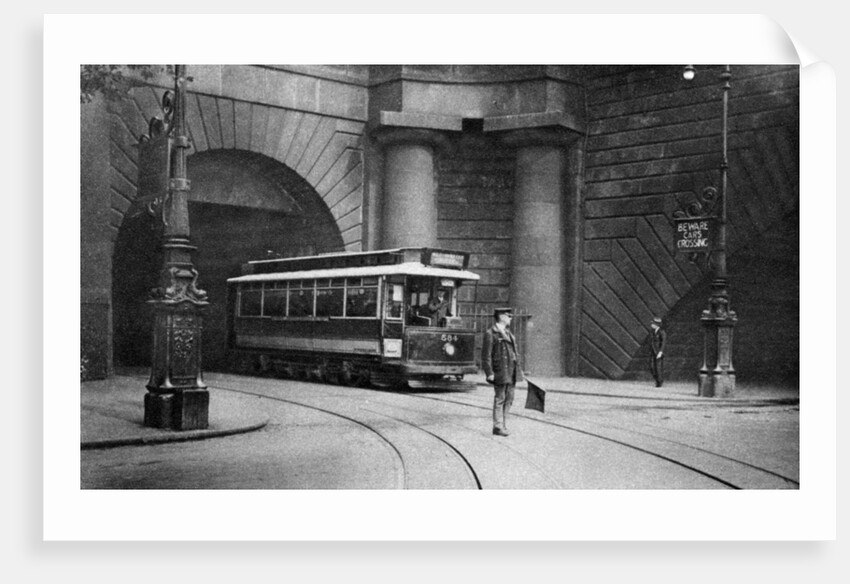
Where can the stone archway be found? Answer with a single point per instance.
(242, 206)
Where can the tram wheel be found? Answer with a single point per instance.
(346, 373)
(362, 377)
(315, 373)
(244, 364)
(280, 369)
(264, 364)
(328, 372)
(335, 375)
(302, 372)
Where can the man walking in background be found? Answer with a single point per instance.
(500, 363)
(659, 337)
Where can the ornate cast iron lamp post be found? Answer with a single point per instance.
(177, 397)
(717, 375)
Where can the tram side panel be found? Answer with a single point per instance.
(309, 341)
(425, 351)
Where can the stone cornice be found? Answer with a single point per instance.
(391, 119)
(555, 120)
(558, 137)
(546, 129)
(387, 136)
(352, 75)
(476, 74)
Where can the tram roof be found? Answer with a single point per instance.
(403, 269)
(343, 255)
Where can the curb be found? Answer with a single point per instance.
(191, 435)
(692, 399)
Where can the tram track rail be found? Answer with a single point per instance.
(457, 452)
(724, 470)
(403, 481)
(451, 447)
(790, 482)
(405, 475)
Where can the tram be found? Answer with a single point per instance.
(386, 318)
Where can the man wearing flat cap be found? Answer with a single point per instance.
(501, 366)
(659, 338)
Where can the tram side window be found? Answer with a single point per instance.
(395, 301)
(361, 297)
(274, 300)
(329, 295)
(251, 300)
(301, 298)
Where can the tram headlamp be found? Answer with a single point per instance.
(449, 349)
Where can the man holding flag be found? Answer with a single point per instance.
(501, 366)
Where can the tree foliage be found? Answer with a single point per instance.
(115, 81)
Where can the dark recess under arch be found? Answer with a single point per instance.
(242, 206)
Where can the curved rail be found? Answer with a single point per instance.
(679, 463)
(601, 436)
(387, 441)
(460, 454)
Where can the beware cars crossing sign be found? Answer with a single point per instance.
(695, 234)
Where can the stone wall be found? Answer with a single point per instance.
(96, 241)
(654, 142)
(309, 120)
(645, 143)
(764, 281)
(475, 210)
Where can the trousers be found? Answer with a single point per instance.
(502, 402)
(658, 370)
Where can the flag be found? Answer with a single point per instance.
(536, 399)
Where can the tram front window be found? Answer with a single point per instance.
(431, 302)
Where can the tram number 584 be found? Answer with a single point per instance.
(449, 338)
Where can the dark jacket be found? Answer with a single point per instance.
(499, 356)
(659, 337)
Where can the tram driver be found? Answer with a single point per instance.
(435, 311)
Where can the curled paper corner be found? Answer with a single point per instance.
(784, 46)
(798, 51)
(804, 55)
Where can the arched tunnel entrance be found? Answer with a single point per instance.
(242, 206)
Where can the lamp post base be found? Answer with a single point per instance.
(182, 410)
(716, 383)
(717, 375)
(177, 396)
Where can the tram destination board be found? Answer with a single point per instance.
(445, 258)
(695, 234)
